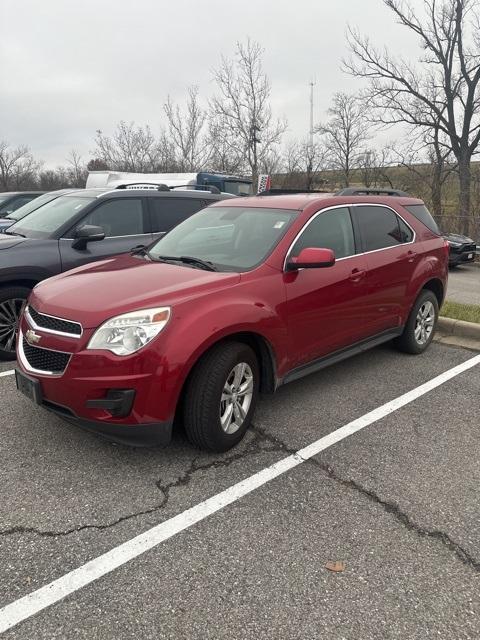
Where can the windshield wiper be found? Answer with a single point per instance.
(203, 264)
(14, 233)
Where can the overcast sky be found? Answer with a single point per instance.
(70, 67)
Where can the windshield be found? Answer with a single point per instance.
(239, 188)
(232, 238)
(3, 197)
(21, 212)
(42, 222)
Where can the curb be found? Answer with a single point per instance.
(459, 328)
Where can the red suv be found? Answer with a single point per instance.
(239, 299)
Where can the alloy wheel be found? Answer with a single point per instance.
(425, 321)
(10, 311)
(236, 397)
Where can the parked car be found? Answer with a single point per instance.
(462, 249)
(10, 201)
(242, 297)
(65, 233)
(30, 206)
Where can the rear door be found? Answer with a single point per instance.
(391, 255)
(326, 307)
(125, 223)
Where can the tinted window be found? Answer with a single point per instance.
(233, 238)
(330, 230)
(117, 217)
(405, 232)
(31, 206)
(421, 213)
(168, 212)
(46, 220)
(380, 228)
(16, 204)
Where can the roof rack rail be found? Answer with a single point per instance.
(283, 192)
(197, 187)
(364, 191)
(144, 185)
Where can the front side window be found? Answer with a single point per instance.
(330, 230)
(47, 220)
(381, 228)
(117, 217)
(168, 212)
(232, 238)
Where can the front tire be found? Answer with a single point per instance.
(221, 396)
(12, 300)
(421, 324)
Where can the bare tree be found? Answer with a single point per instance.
(77, 171)
(303, 162)
(131, 148)
(186, 131)
(18, 167)
(242, 109)
(225, 153)
(443, 92)
(345, 133)
(427, 164)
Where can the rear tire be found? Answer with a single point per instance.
(12, 300)
(421, 324)
(221, 396)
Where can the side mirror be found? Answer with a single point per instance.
(87, 233)
(311, 258)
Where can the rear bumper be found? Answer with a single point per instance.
(153, 434)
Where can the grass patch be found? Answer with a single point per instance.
(457, 311)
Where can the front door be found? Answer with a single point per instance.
(325, 307)
(124, 223)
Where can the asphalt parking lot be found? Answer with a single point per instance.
(397, 502)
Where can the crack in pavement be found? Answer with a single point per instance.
(252, 448)
(402, 517)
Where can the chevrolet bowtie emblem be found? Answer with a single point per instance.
(32, 337)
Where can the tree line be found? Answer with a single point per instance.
(435, 98)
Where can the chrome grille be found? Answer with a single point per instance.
(50, 323)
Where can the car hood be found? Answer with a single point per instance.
(94, 293)
(456, 237)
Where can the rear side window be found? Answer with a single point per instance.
(421, 213)
(381, 228)
(168, 212)
(330, 230)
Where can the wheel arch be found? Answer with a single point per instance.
(435, 285)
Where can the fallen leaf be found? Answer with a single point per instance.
(338, 566)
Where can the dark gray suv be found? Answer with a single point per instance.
(80, 227)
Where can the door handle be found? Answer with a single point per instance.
(357, 275)
(411, 255)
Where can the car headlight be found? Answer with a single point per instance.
(454, 244)
(125, 334)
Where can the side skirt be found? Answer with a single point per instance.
(342, 354)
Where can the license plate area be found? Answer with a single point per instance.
(29, 387)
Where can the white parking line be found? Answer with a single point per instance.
(19, 610)
(7, 373)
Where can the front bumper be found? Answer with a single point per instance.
(139, 435)
(461, 257)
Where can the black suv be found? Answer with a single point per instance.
(80, 227)
(462, 249)
(10, 201)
